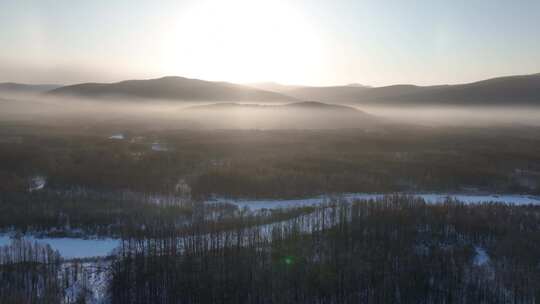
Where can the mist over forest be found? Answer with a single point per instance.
(192, 103)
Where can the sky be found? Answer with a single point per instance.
(307, 42)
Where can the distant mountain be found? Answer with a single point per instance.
(357, 85)
(274, 87)
(299, 115)
(502, 91)
(171, 88)
(303, 105)
(336, 94)
(285, 88)
(20, 88)
(512, 90)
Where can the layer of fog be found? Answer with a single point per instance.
(458, 116)
(187, 115)
(181, 115)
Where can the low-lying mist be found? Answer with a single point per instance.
(210, 115)
(473, 116)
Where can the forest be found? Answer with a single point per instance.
(397, 249)
(394, 250)
(271, 163)
(165, 196)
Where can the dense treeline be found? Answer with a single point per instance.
(394, 250)
(29, 274)
(272, 163)
(83, 213)
(86, 213)
(34, 273)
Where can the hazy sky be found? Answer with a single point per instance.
(310, 42)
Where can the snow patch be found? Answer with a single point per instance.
(159, 147)
(36, 183)
(118, 136)
(481, 258)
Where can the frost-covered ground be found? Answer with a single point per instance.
(428, 197)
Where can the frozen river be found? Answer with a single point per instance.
(433, 198)
(71, 248)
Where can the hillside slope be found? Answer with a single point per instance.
(170, 88)
(299, 115)
(503, 91)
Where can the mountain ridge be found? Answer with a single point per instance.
(297, 115)
(170, 88)
(21, 88)
(499, 91)
(506, 90)
(307, 105)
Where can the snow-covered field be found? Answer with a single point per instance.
(254, 205)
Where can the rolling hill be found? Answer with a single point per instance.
(503, 91)
(171, 88)
(298, 115)
(10, 88)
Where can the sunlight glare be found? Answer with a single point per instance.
(245, 41)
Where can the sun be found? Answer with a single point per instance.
(244, 41)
